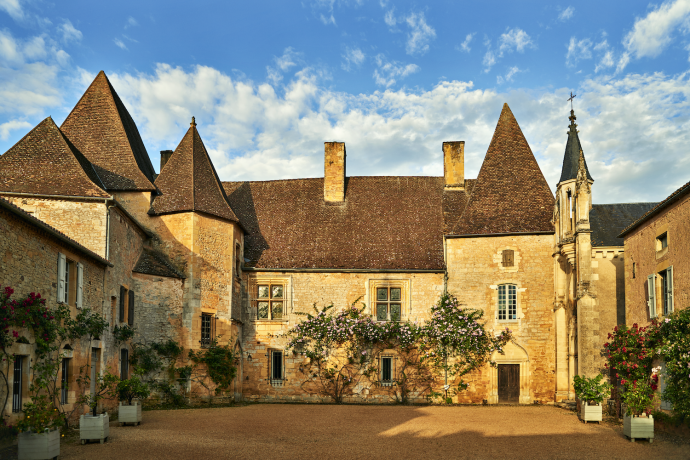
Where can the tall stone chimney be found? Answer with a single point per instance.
(165, 156)
(334, 172)
(454, 165)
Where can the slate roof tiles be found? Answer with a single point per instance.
(102, 129)
(510, 194)
(44, 162)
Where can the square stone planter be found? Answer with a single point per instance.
(590, 413)
(129, 414)
(638, 427)
(94, 428)
(39, 446)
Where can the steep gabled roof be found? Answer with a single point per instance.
(44, 162)
(608, 220)
(571, 158)
(153, 263)
(510, 194)
(188, 181)
(386, 223)
(102, 129)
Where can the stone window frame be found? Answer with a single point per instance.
(517, 258)
(519, 315)
(507, 301)
(661, 241)
(392, 355)
(660, 300)
(270, 355)
(70, 280)
(405, 286)
(254, 283)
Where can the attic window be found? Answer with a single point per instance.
(508, 258)
(662, 241)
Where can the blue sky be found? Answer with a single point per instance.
(269, 82)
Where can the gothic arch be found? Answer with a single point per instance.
(514, 353)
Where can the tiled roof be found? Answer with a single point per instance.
(385, 223)
(45, 163)
(102, 129)
(510, 194)
(188, 181)
(152, 263)
(571, 159)
(672, 198)
(55, 233)
(454, 202)
(608, 220)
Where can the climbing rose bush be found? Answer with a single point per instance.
(674, 350)
(631, 352)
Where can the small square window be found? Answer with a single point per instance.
(271, 303)
(508, 258)
(388, 306)
(663, 240)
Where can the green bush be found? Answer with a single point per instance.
(591, 390)
(131, 388)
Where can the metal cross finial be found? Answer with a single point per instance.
(572, 96)
(193, 123)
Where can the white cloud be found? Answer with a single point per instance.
(566, 14)
(420, 34)
(289, 59)
(465, 46)
(387, 72)
(13, 8)
(354, 57)
(578, 50)
(131, 22)
(119, 43)
(13, 125)
(509, 75)
(389, 18)
(515, 40)
(69, 32)
(651, 34)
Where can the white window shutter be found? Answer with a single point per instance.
(651, 303)
(62, 262)
(80, 285)
(669, 278)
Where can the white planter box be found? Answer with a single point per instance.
(129, 414)
(590, 413)
(638, 427)
(91, 427)
(39, 446)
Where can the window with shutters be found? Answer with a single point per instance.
(660, 293)
(130, 309)
(387, 366)
(507, 302)
(508, 258)
(125, 312)
(651, 295)
(70, 281)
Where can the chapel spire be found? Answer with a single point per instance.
(573, 150)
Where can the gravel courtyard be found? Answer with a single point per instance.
(362, 432)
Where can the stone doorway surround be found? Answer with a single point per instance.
(514, 354)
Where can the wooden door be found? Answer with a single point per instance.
(508, 383)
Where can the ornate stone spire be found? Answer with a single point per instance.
(193, 123)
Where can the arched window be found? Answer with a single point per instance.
(507, 302)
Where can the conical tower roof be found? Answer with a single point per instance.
(44, 162)
(571, 158)
(189, 182)
(102, 129)
(511, 194)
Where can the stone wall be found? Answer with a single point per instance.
(475, 270)
(303, 290)
(641, 249)
(83, 221)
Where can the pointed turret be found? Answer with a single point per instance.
(189, 182)
(510, 194)
(571, 159)
(102, 129)
(44, 162)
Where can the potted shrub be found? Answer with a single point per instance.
(127, 391)
(39, 434)
(590, 392)
(639, 399)
(94, 426)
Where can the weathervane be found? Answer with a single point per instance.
(572, 96)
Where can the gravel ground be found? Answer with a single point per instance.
(362, 432)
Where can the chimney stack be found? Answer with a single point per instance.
(454, 165)
(334, 172)
(165, 156)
